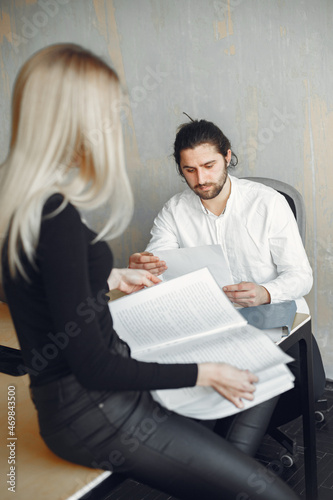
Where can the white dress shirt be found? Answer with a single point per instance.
(257, 231)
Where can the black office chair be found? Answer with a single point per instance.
(296, 203)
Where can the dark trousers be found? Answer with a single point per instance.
(128, 432)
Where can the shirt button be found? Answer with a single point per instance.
(101, 405)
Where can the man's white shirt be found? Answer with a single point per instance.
(257, 232)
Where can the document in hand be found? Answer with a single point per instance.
(188, 259)
(190, 319)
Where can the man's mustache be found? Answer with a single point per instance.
(209, 184)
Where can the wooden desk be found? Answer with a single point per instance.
(39, 473)
(302, 333)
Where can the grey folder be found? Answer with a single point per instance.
(269, 316)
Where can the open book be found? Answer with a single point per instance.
(190, 319)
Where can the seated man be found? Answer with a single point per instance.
(252, 222)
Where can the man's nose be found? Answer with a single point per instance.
(201, 176)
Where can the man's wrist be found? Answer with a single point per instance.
(267, 295)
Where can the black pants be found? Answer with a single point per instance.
(128, 432)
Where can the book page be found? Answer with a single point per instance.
(185, 260)
(187, 306)
(245, 347)
(206, 404)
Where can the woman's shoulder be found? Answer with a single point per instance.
(58, 211)
(53, 203)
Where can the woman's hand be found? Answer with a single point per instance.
(131, 280)
(147, 261)
(232, 383)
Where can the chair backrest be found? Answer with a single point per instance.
(293, 197)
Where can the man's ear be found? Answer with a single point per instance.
(228, 157)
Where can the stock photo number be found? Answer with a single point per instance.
(11, 439)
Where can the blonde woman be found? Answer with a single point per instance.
(93, 400)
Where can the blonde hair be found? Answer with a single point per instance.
(66, 138)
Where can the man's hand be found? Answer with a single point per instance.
(147, 261)
(131, 280)
(229, 381)
(247, 294)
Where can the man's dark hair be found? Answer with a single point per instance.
(190, 135)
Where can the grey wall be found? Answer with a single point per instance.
(261, 69)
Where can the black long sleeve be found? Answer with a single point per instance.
(62, 319)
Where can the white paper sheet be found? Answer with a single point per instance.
(244, 347)
(206, 404)
(185, 260)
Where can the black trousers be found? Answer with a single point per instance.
(128, 432)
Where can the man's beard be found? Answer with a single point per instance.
(215, 188)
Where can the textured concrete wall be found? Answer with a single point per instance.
(261, 69)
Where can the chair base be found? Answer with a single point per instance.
(289, 455)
